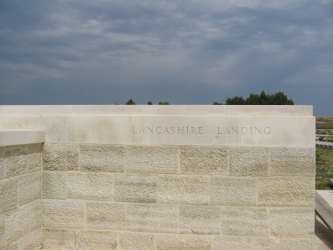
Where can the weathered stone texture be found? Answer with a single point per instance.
(282, 244)
(106, 215)
(293, 162)
(199, 220)
(233, 191)
(102, 158)
(239, 221)
(180, 242)
(2, 231)
(60, 239)
(34, 158)
(183, 189)
(102, 240)
(152, 218)
(63, 214)
(286, 191)
(292, 222)
(135, 188)
(90, 186)
(2, 169)
(54, 185)
(234, 243)
(249, 161)
(136, 241)
(28, 188)
(17, 224)
(35, 214)
(32, 241)
(61, 157)
(204, 160)
(8, 195)
(15, 160)
(152, 159)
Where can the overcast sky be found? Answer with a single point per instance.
(182, 51)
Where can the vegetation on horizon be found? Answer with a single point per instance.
(324, 167)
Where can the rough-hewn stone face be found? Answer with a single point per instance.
(176, 242)
(103, 240)
(138, 241)
(28, 188)
(152, 159)
(54, 185)
(61, 157)
(8, 195)
(282, 244)
(229, 242)
(17, 224)
(2, 169)
(60, 238)
(201, 160)
(102, 158)
(15, 160)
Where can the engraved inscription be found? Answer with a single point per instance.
(243, 130)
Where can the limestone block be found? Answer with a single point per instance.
(293, 161)
(102, 240)
(17, 224)
(199, 220)
(61, 157)
(63, 213)
(282, 244)
(233, 190)
(135, 188)
(54, 185)
(292, 222)
(102, 158)
(15, 160)
(180, 242)
(249, 161)
(106, 215)
(183, 189)
(240, 221)
(34, 160)
(59, 239)
(28, 188)
(152, 218)
(152, 159)
(286, 191)
(2, 231)
(13, 246)
(8, 195)
(234, 243)
(31, 241)
(90, 186)
(202, 160)
(2, 169)
(136, 241)
(35, 214)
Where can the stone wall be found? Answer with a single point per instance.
(177, 197)
(20, 197)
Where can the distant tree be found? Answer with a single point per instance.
(130, 102)
(237, 100)
(163, 103)
(149, 103)
(278, 98)
(217, 103)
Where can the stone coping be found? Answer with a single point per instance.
(10, 137)
(157, 110)
(324, 206)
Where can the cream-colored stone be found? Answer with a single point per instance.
(135, 188)
(2, 169)
(324, 206)
(35, 211)
(234, 243)
(136, 241)
(106, 215)
(60, 239)
(233, 191)
(15, 160)
(17, 224)
(102, 158)
(102, 240)
(61, 157)
(249, 161)
(284, 192)
(21, 137)
(293, 161)
(240, 221)
(107, 109)
(13, 246)
(2, 231)
(152, 159)
(179, 242)
(271, 110)
(152, 218)
(183, 189)
(199, 220)
(8, 195)
(34, 161)
(204, 160)
(32, 241)
(291, 222)
(90, 186)
(28, 188)
(54, 185)
(281, 244)
(63, 213)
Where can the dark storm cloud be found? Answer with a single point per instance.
(184, 52)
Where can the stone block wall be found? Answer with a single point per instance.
(20, 197)
(98, 196)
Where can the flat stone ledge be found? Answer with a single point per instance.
(20, 137)
(324, 206)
